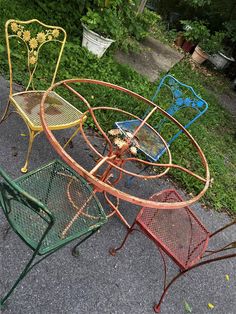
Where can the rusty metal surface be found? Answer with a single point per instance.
(115, 158)
(58, 111)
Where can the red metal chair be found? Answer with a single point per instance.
(178, 233)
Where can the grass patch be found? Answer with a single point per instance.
(214, 131)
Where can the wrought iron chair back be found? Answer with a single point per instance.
(181, 101)
(34, 35)
(177, 99)
(42, 209)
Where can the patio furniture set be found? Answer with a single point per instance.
(51, 206)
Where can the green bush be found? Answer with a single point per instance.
(213, 43)
(194, 31)
(119, 20)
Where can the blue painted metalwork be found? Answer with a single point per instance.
(183, 96)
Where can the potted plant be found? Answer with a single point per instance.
(194, 31)
(179, 40)
(220, 56)
(99, 26)
(208, 46)
(220, 60)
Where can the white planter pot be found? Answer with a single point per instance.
(220, 61)
(95, 43)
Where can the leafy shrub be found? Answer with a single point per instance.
(213, 43)
(194, 31)
(119, 20)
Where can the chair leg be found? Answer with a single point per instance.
(5, 114)
(22, 275)
(164, 265)
(157, 307)
(75, 252)
(32, 135)
(113, 251)
(71, 138)
(104, 149)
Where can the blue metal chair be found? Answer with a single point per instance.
(176, 97)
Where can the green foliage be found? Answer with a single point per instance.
(214, 132)
(138, 25)
(231, 30)
(213, 43)
(197, 32)
(220, 15)
(197, 3)
(120, 21)
(160, 31)
(50, 12)
(104, 21)
(194, 31)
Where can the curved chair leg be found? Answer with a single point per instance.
(75, 252)
(113, 251)
(157, 307)
(32, 135)
(164, 265)
(5, 114)
(72, 136)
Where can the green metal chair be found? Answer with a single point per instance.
(48, 208)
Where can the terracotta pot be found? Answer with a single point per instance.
(199, 56)
(179, 40)
(188, 46)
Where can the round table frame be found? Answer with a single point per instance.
(102, 183)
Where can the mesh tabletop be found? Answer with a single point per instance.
(177, 231)
(58, 111)
(64, 194)
(148, 141)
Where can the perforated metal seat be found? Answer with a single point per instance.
(64, 193)
(178, 232)
(58, 111)
(149, 142)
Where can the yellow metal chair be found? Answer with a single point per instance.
(33, 35)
